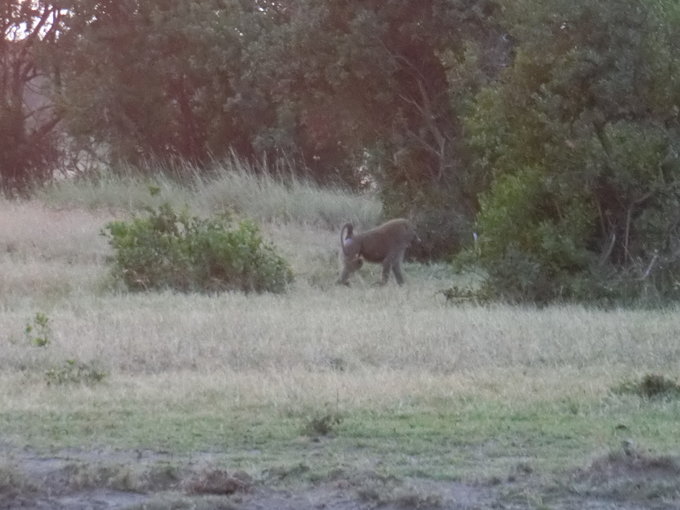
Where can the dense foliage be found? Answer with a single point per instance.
(579, 139)
(173, 250)
(549, 128)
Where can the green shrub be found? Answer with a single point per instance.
(322, 423)
(173, 250)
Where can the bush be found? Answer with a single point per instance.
(173, 250)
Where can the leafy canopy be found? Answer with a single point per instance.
(579, 140)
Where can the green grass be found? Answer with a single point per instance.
(455, 438)
(421, 387)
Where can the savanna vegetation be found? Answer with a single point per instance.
(174, 174)
(547, 130)
(356, 396)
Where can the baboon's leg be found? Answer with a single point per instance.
(393, 263)
(387, 265)
(396, 269)
(344, 277)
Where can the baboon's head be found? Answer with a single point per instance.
(354, 264)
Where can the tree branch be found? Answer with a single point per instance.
(607, 253)
(649, 267)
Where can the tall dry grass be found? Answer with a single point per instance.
(232, 185)
(49, 254)
(236, 185)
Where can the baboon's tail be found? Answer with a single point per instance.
(349, 228)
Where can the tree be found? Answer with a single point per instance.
(356, 93)
(579, 140)
(28, 148)
(159, 79)
(380, 86)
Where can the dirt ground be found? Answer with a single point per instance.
(79, 480)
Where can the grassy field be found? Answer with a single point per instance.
(298, 387)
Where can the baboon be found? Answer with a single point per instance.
(384, 245)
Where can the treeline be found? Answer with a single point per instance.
(549, 128)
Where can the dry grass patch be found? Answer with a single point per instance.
(32, 231)
(47, 255)
(343, 330)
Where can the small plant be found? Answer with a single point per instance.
(38, 330)
(457, 294)
(170, 249)
(651, 386)
(322, 423)
(218, 481)
(74, 372)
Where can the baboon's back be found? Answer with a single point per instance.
(387, 239)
